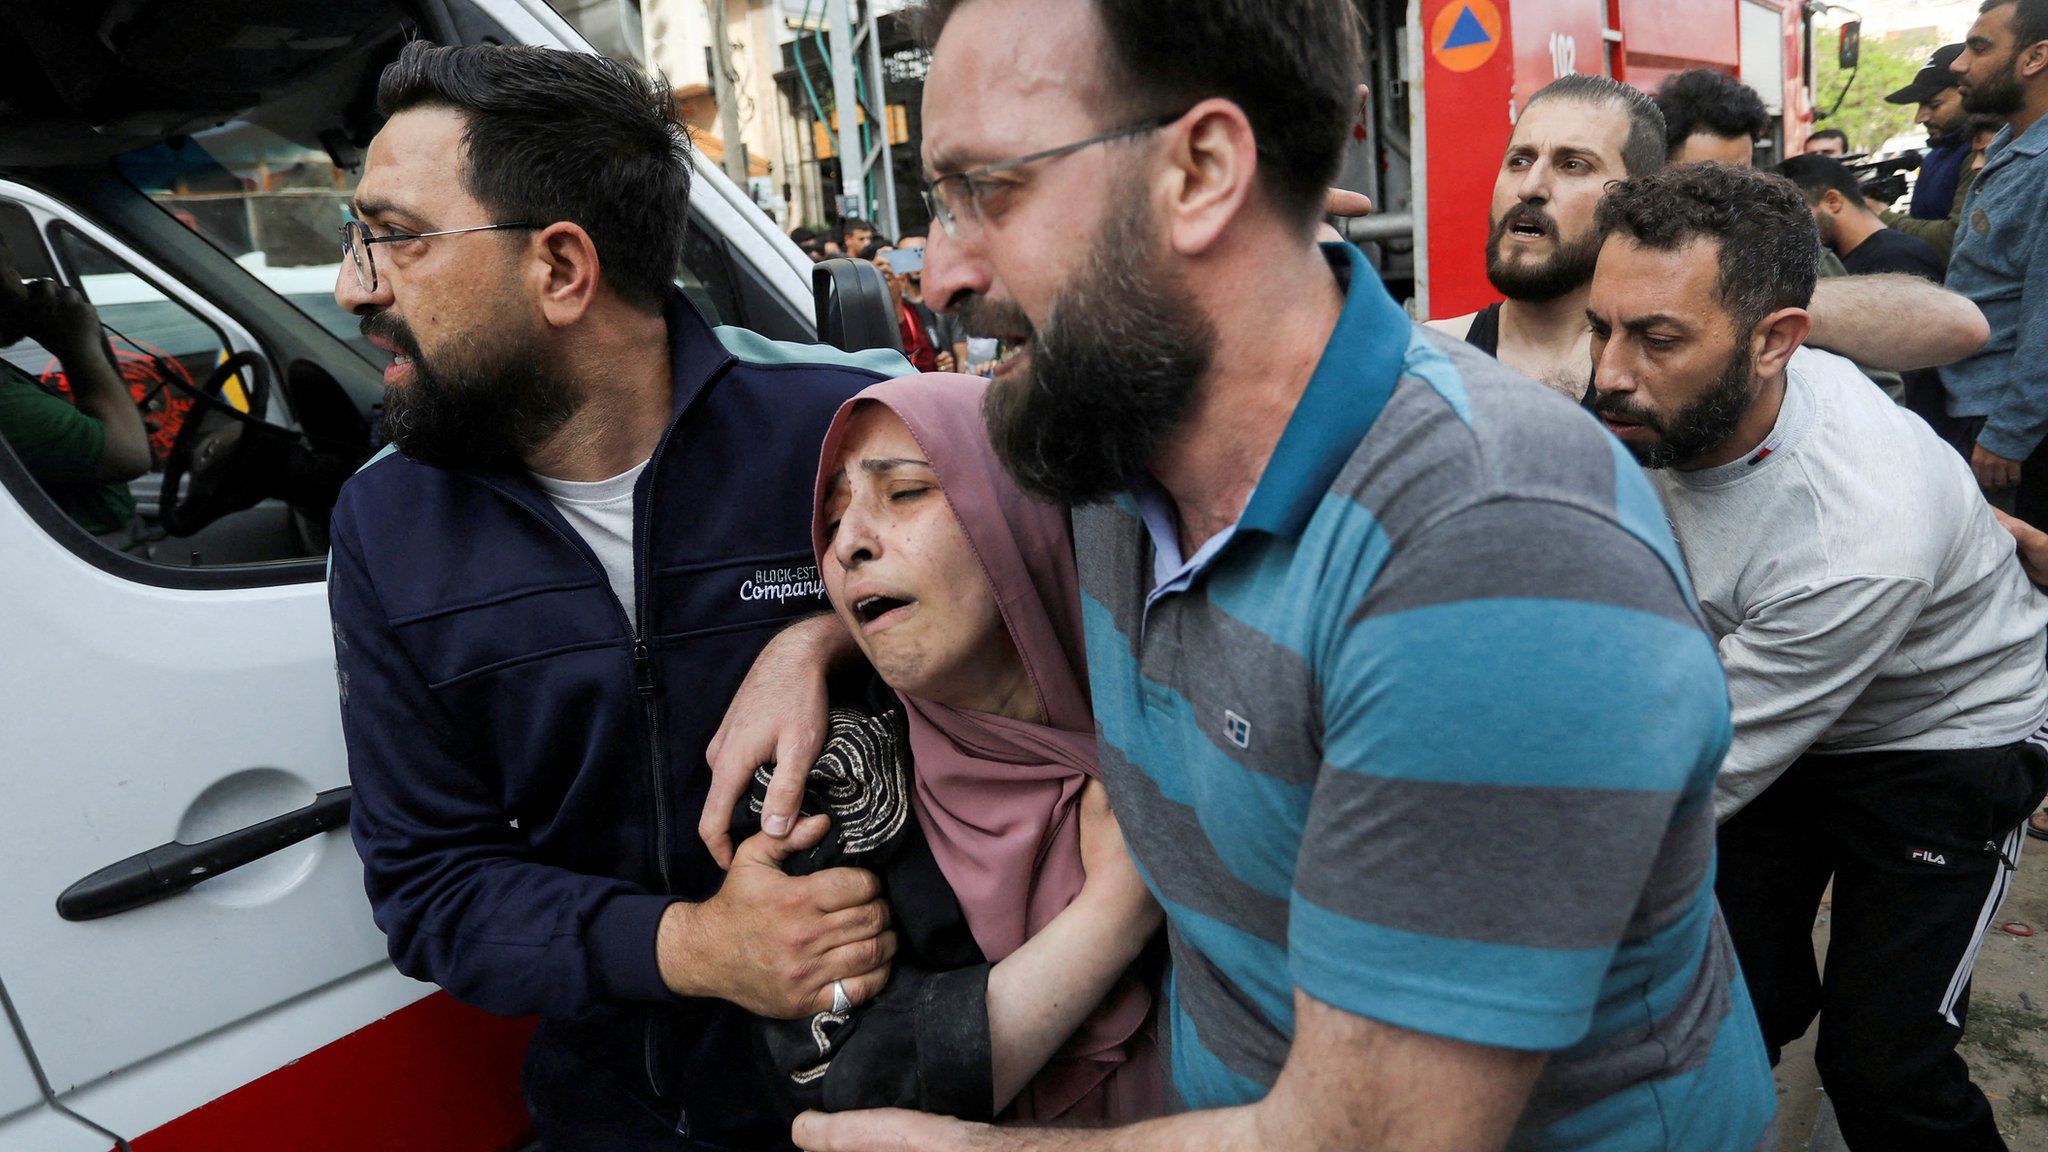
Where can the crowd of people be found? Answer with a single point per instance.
(1236, 716)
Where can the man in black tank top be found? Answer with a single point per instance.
(1576, 137)
(1484, 334)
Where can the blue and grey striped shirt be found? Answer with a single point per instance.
(1432, 737)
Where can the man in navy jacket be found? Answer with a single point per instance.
(596, 513)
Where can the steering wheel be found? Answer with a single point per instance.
(182, 516)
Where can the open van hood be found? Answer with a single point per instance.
(87, 79)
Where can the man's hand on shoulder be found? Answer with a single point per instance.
(774, 943)
(779, 716)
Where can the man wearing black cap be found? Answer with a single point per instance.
(1948, 143)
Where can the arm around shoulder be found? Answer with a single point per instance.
(1895, 322)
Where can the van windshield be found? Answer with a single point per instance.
(271, 204)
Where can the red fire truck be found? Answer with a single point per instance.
(1449, 77)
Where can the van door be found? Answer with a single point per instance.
(27, 1120)
(158, 700)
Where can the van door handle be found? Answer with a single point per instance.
(168, 869)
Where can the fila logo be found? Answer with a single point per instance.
(1237, 729)
(1926, 857)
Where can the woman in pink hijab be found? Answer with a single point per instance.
(961, 592)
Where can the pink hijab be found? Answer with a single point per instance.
(999, 799)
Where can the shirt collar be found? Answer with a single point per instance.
(1351, 384)
(2032, 143)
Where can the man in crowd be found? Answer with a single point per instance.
(596, 512)
(1979, 130)
(1828, 142)
(1850, 229)
(1948, 145)
(2001, 260)
(855, 234)
(919, 347)
(1884, 652)
(812, 244)
(1711, 115)
(1866, 247)
(1271, 670)
(1576, 138)
(82, 453)
(944, 326)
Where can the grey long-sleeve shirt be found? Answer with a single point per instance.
(1859, 590)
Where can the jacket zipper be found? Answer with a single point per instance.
(646, 686)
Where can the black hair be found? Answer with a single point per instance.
(851, 224)
(2029, 20)
(554, 135)
(1644, 151)
(1982, 122)
(1770, 245)
(1816, 175)
(803, 236)
(1292, 66)
(1716, 103)
(1831, 134)
(874, 247)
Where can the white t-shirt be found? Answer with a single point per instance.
(1863, 597)
(601, 511)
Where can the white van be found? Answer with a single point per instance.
(185, 163)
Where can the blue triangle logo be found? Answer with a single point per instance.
(1467, 32)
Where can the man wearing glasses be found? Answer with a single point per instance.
(596, 512)
(1403, 704)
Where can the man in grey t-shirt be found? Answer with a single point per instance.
(1884, 650)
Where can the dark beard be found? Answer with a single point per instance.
(2002, 95)
(486, 403)
(1112, 373)
(1569, 268)
(1699, 427)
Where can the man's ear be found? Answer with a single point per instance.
(1775, 339)
(563, 267)
(1211, 166)
(2034, 59)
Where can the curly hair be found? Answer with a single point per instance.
(1770, 246)
(1716, 103)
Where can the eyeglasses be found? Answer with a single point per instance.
(956, 199)
(356, 240)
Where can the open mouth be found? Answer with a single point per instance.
(872, 608)
(1010, 358)
(1523, 230)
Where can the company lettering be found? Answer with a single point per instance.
(783, 584)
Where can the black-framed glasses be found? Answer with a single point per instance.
(356, 240)
(957, 198)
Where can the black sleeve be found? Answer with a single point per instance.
(923, 1043)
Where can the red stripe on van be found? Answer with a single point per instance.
(434, 1076)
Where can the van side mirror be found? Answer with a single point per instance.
(1851, 48)
(855, 312)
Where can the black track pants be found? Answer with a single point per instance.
(1921, 847)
